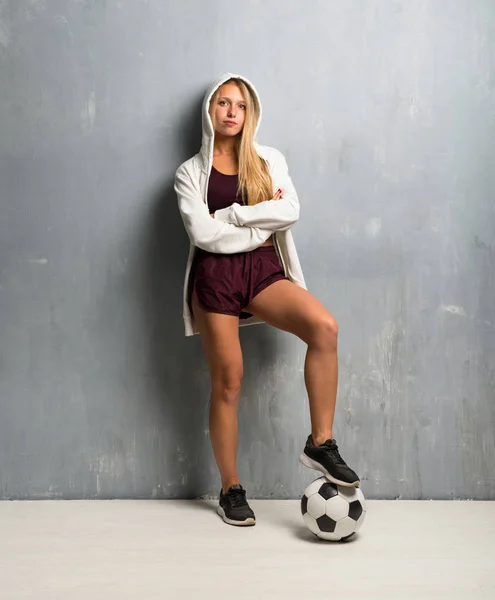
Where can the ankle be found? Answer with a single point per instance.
(228, 484)
(320, 438)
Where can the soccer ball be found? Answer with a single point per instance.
(332, 512)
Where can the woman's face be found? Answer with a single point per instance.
(229, 113)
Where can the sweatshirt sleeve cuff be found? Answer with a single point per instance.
(226, 215)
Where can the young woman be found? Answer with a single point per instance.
(237, 202)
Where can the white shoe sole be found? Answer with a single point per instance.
(249, 521)
(312, 464)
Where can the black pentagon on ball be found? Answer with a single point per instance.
(355, 509)
(328, 490)
(304, 504)
(326, 524)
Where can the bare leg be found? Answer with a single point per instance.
(220, 339)
(321, 379)
(291, 308)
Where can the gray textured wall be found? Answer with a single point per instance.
(385, 111)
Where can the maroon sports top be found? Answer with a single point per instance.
(222, 191)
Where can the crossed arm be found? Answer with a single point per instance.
(237, 228)
(277, 214)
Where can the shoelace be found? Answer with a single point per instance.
(333, 450)
(236, 497)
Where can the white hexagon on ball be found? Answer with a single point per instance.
(350, 493)
(311, 523)
(345, 527)
(316, 506)
(337, 508)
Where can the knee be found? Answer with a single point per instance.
(226, 388)
(325, 333)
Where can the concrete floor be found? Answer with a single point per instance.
(172, 550)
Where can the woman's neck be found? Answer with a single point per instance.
(224, 146)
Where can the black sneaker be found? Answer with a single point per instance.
(326, 458)
(233, 507)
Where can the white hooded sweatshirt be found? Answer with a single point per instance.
(236, 228)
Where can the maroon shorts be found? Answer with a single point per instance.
(227, 283)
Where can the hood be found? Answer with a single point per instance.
(208, 137)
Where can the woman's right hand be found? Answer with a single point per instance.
(278, 195)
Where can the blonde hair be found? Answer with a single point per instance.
(255, 183)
